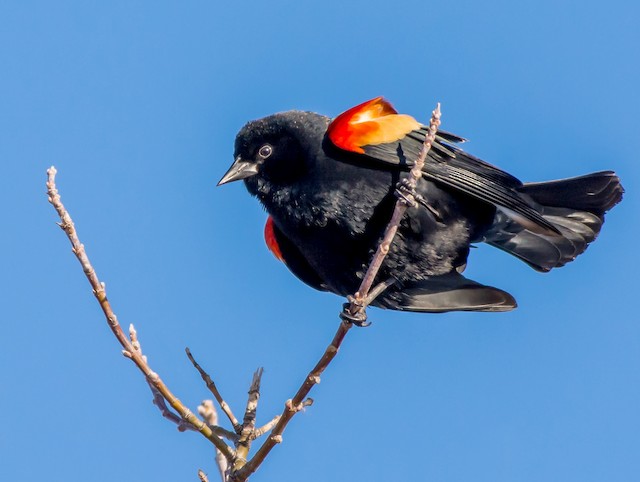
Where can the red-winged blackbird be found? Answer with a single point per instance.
(329, 188)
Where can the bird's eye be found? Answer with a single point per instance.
(265, 151)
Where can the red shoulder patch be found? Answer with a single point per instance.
(372, 122)
(270, 238)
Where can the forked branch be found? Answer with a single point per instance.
(130, 350)
(232, 462)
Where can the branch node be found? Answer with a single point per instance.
(288, 405)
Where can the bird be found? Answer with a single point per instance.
(329, 187)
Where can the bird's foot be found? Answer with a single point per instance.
(406, 193)
(358, 318)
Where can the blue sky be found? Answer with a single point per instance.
(137, 104)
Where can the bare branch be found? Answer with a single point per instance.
(246, 432)
(358, 303)
(158, 399)
(259, 432)
(130, 350)
(214, 390)
(292, 406)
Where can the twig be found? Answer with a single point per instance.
(214, 390)
(360, 300)
(203, 477)
(158, 399)
(294, 405)
(130, 351)
(259, 432)
(357, 305)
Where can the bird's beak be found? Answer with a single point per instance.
(239, 170)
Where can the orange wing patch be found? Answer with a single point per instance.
(372, 122)
(270, 238)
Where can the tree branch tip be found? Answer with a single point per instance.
(202, 476)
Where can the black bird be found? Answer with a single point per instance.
(329, 188)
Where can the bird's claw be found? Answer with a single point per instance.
(359, 318)
(406, 192)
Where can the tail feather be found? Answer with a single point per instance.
(574, 206)
(595, 193)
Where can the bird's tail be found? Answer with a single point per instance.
(575, 206)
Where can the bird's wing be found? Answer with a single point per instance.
(376, 131)
(449, 292)
(287, 252)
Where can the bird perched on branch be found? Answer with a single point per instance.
(330, 187)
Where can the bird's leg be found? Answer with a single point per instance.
(355, 311)
(406, 192)
(378, 290)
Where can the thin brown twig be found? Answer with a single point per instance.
(358, 301)
(293, 406)
(358, 304)
(158, 399)
(214, 390)
(130, 350)
(259, 432)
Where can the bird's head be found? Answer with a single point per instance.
(277, 150)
